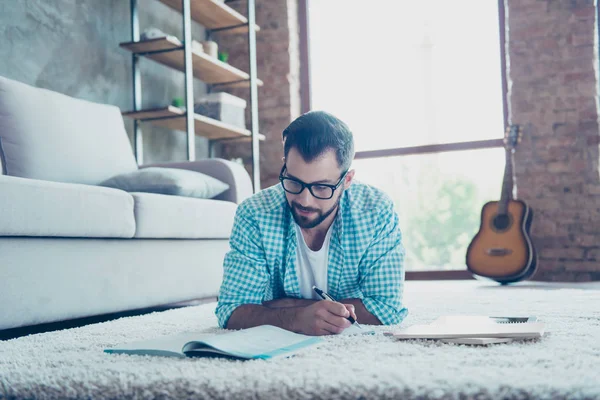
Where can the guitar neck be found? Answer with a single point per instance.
(507, 183)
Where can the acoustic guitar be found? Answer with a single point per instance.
(502, 249)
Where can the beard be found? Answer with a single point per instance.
(308, 223)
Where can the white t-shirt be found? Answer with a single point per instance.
(311, 265)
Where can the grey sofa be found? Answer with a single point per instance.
(70, 248)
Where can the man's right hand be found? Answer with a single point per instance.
(323, 318)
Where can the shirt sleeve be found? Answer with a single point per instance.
(245, 275)
(382, 283)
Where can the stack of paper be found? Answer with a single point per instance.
(470, 329)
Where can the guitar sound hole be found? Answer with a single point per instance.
(501, 222)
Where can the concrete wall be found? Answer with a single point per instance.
(72, 47)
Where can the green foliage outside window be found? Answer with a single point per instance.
(440, 221)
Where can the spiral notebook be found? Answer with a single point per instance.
(474, 329)
(482, 319)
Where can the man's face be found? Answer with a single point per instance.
(308, 211)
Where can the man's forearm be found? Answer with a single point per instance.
(362, 315)
(250, 315)
(288, 302)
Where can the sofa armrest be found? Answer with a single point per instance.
(233, 174)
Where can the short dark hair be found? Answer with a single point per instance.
(316, 132)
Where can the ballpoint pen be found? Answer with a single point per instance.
(327, 296)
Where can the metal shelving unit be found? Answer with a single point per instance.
(214, 15)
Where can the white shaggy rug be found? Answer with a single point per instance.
(565, 363)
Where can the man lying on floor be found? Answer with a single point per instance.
(317, 228)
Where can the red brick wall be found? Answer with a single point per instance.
(279, 68)
(553, 81)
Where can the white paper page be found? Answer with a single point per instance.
(463, 320)
(355, 330)
(472, 320)
(259, 340)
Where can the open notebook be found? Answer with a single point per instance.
(261, 342)
(473, 329)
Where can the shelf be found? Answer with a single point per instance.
(206, 68)
(174, 118)
(213, 14)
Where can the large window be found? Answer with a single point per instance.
(438, 198)
(405, 74)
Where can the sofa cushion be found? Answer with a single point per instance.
(177, 182)
(49, 136)
(161, 216)
(231, 173)
(30, 207)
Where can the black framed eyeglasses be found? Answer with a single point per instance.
(320, 191)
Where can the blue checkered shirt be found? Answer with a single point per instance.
(366, 256)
